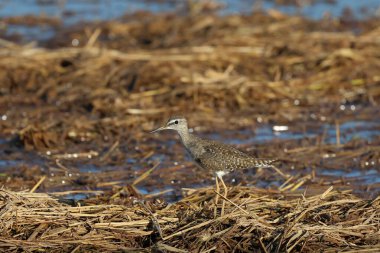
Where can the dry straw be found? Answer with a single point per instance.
(132, 73)
(254, 220)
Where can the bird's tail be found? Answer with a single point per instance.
(263, 163)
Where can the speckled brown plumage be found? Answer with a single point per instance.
(215, 156)
(211, 155)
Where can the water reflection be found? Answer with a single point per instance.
(176, 171)
(349, 130)
(71, 12)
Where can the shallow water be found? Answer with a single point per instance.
(71, 12)
(349, 130)
(168, 182)
(352, 176)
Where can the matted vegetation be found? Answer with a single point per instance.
(254, 220)
(64, 108)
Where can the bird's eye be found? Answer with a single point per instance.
(176, 122)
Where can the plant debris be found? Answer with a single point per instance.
(254, 220)
(80, 172)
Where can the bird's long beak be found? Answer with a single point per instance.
(158, 129)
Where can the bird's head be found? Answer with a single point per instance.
(178, 124)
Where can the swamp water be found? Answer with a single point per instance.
(76, 179)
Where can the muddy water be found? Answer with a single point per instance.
(78, 179)
(70, 12)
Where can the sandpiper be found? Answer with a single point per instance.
(213, 156)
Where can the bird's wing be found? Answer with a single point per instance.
(224, 158)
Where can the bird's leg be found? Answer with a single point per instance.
(224, 195)
(279, 172)
(216, 197)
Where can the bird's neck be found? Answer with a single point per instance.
(185, 137)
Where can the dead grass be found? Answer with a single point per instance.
(208, 66)
(254, 220)
(96, 102)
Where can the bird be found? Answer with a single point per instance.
(213, 156)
